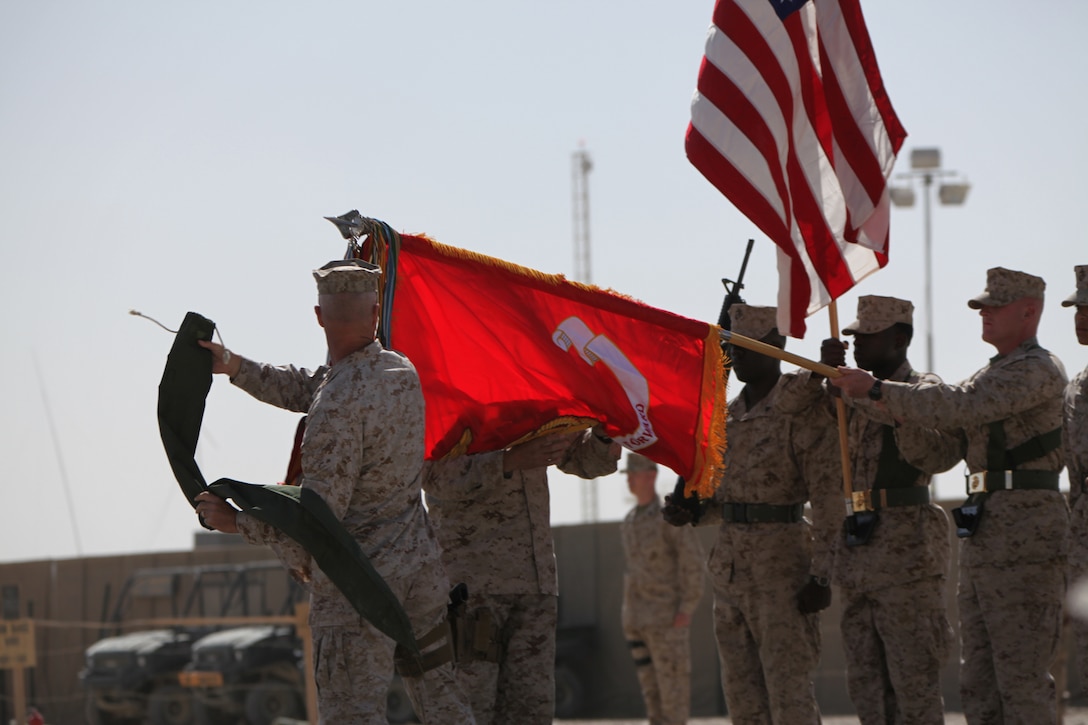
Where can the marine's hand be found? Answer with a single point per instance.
(614, 448)
(681, 620)
(216, 512)
(676, 513)
(853, 383)
(539, 452)
(813, 596)
(833, 352)
(223, 361)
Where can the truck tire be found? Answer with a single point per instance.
(95, 716)
(270, 700)
(569, 692)
(170, 705)
(207, 715)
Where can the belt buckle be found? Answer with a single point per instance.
(976, 482)
(861, 500)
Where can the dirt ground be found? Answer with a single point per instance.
(1073, 716)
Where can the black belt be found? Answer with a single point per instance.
(990, 481)
(762, 513)
(882, 498)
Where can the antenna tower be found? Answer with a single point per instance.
(581, 165)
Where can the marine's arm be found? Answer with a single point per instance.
(591, 455)
(284, 387)
(816, 451)
(995, 393)
(928, 449)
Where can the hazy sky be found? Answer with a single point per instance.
(175, 157)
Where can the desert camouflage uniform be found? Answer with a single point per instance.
(1012, 571)
(363, 453)
(767, 647)
(1075, 442)
(664, 578)
(894, 628)
(496, 537)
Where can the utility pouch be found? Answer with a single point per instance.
(476, 637)
(858, 527)
(968, 516)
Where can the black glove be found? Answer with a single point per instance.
(833, 352)
(681, 510)
(814, 596)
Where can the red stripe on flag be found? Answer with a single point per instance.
(863, 46)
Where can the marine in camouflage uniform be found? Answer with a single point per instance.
(362, 452)
(491, 514)
(1012, 568)
(770, 566)
(1075, 442)
(892, 568)
(661, 589)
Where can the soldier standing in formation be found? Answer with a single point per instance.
(362, 452)
(1075, 443)
(769, 567)
(491, 515)
(892, 561)
(1015, 522)
(661, 589)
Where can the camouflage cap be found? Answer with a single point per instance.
(1006, 285)
(637, 462)
(1080, 297)
(753, 321)
(876, 314)
(347, 275)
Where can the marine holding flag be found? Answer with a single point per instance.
(491, 515)
(770, 566)
(891, 562)
(362, 452)
(1015, 522)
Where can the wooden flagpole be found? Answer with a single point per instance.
(728, 336)
(840, 409)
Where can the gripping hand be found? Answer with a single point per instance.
(681, 510)
(814, 596)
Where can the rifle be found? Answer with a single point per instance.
(732, 290)
(679, 508)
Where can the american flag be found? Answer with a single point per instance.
(790, 121)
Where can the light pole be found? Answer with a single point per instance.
(925, 164)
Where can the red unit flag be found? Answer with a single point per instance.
(506, 352)
(790, 121)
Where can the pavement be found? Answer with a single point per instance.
(1073, 716)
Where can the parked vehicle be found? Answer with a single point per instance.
(133, 677)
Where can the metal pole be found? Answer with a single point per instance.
(927, 182)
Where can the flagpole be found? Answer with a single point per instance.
(840, 409)
(732, 338)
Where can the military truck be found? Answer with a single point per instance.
(133, 677)
(253, 674)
